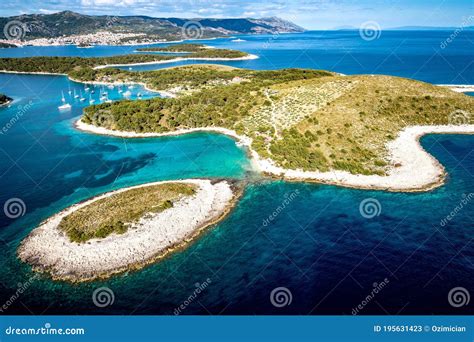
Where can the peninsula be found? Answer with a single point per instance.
(306, 125)
(67, 27)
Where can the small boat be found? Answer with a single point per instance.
(139, 94)
(238, 40)
(110, 86)
(127, 93)
(129, 68)
(87, 88)
(91, 101)
(65, 106)
(131, 87)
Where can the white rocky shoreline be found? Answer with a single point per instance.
(48, 249)
(411, 167)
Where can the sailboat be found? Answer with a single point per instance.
(82, 99)
(91, 100)
(64, 106)
(70, 92)
(75, 95)
(86, 88)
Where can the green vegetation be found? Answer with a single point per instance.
(108, 215)
(4, 99)
(7, 45)
(175, 48)
(301, 119)
(197, 50)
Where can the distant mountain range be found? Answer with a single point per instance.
(68, 23)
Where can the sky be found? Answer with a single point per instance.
(310, 14)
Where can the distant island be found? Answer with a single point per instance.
(4, 99)
(74, 28)
(83, 69)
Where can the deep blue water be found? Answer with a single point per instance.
(319, 247)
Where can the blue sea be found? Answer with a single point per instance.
(309, 243)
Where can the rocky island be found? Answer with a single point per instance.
(125, 229)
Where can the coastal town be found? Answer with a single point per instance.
(85, 40)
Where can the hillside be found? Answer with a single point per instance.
(70, 23)
(4, 99)
(301, 119)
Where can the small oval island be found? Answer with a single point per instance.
(125, 229)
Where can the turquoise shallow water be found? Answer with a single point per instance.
(319, 246)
